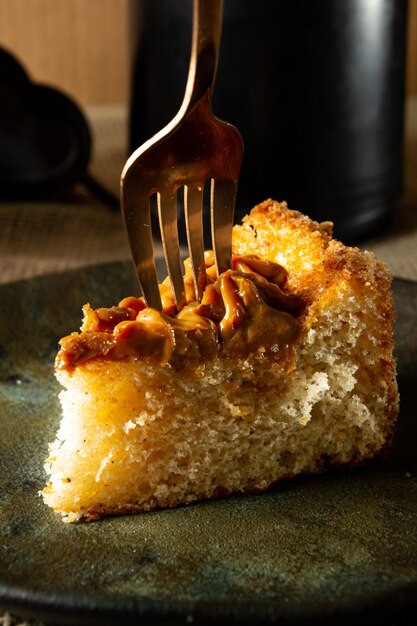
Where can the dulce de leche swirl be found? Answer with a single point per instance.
(243, 311)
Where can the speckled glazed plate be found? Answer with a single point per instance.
(337, 548)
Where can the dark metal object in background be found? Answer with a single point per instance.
(316, 88)
(45, 140)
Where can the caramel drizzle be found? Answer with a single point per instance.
(243, 311)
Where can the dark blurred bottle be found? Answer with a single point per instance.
(316, 89)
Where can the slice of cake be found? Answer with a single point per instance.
(285, 367)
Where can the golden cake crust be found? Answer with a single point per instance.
(316, 262)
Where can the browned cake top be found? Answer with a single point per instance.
(245, 310)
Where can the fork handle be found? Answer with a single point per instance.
(207, 26)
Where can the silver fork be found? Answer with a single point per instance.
(194, 148)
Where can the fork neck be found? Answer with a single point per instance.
(207, 25)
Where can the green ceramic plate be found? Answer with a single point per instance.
(337, 548)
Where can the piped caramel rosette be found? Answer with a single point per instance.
(245, 310)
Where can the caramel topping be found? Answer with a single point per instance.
(243, 311)
(250, 323)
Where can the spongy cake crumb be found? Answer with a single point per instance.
(135, 436)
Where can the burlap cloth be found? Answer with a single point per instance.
(43, 237)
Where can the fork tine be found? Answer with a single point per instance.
(193, 208)
(137, 217)
(222, 206)
(167, 211)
